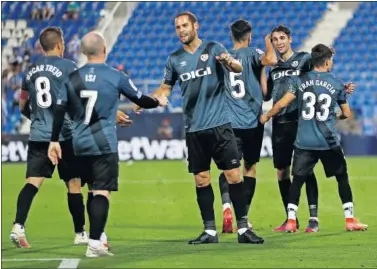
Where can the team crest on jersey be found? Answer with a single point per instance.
(204, 57)
(294, 64)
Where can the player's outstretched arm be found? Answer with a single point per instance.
(123, 119)
(269, 58)
(54, 150)
(284, 102)
(263, 82)
(346, 112)
(229, 62)
(163, 91)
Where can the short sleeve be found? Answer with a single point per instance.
(72, 67)
(170, 75)
(293, 85)
(63, 93)
(218, 49)
(257, 57)
(306, 63)
(127, 88)
(342, 95)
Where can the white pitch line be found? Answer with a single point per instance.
(69, 263)
(65, 263)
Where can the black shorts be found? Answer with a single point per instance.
(249, 143)
(283, 138)
(39, 165)
(333, 161)
(100, 172)
(218, 143)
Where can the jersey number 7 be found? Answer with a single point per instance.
(92, 98)
(237, 83)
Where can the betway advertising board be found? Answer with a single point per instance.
(144, 140)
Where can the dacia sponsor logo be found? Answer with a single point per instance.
(196, 74)
(286, 73)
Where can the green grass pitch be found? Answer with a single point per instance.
(155, 213)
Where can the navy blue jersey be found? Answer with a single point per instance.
(201, 78)
(245, 97)
(317, 97)
(279, 79)
(43, 80)
(92, 96)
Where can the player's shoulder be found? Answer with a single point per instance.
(337, 81)
(302, 55)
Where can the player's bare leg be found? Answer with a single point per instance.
(77, 210)
(24, 201)
(205, 198)
(227, 210)
(345, 193)
(237, 196)
(99, 209)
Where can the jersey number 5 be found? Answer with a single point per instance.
(92, 98)
(310, 101)
(237, 82)
(43, 87)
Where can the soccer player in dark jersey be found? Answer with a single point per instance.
(91, 97)
(199, 67)
(318, 93)
(245, 99)
(39, 89)
(284, 127)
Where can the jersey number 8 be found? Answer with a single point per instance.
(237, 82)
(92, 98)
(43, 87)
(310, 101)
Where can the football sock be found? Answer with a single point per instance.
(237, 195)
(348, 210)
(312, 195)
(284, 186)
(295, 190)
(249, 184)
(77, 210)
(292, 211)
(25, 198)
(99, 209)
(205, 199)
(344, 188)
(88, 202)
(224, 191)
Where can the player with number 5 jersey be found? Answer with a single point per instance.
(245, 99)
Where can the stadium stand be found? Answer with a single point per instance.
(16, 22)
(355, 61)
(149, 37)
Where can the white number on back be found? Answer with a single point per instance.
(43, 87)
(92, 98)
(310, 101)
(237, 82)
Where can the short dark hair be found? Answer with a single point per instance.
(190, 15)
(282, 28)
(50, 37)
(240, 29)
(320, 54)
